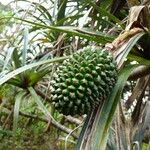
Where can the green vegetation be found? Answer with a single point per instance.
(75, 75)
(83, 81)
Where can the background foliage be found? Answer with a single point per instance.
(36, 36)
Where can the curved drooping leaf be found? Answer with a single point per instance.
(95, 130)
(39, 103)
(28, 78)
(97, 137)
(98, 37)
(123, 51)
(27, 67)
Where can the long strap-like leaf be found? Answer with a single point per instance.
(29, 66)
(97, 138)
(19, 97)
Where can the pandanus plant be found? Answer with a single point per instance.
(92, 82)
(96, 130)
(86, 83)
